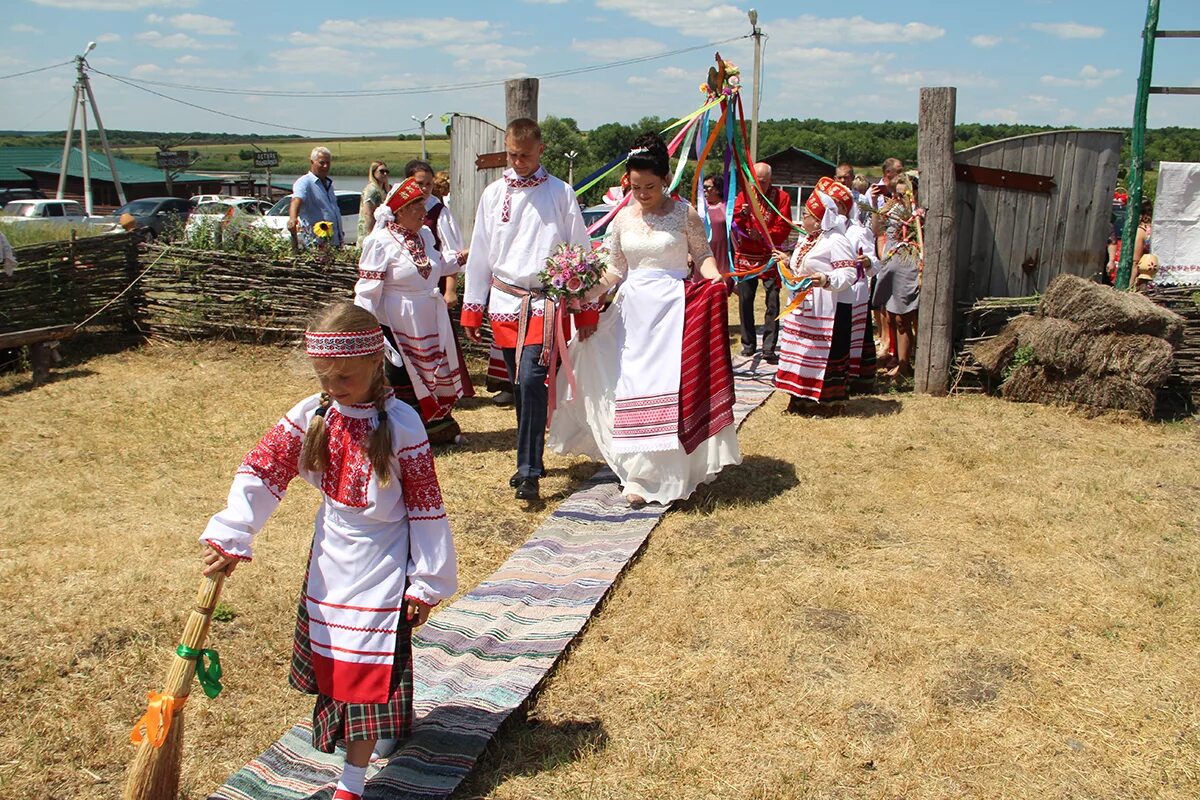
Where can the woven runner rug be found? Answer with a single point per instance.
(480, 658)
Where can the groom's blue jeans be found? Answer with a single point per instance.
(531, 401)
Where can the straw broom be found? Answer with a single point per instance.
(154, 773)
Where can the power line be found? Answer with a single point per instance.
(248, 119)
(454, 87)
(31, 71)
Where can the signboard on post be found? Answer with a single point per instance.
(168, 159)
(266, 159)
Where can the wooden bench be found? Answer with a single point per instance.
(41, 343)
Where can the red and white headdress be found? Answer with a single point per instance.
(343, 345)
(405, 192)
(829, 202)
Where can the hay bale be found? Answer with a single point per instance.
(1144, 360)
(994, 354)
(1102, 309)
(1035, 383)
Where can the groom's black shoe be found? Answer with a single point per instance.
(528, 489)
(515, 480)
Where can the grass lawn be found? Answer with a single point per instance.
(926, 598)
(350, 156)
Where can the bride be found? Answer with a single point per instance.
(654, 381)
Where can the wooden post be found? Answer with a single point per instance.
(935, 157)
(520, 99)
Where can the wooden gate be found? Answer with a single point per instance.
(1031, 208)
(471, 138)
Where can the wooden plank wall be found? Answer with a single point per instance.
(1064, 231)
(471, 137)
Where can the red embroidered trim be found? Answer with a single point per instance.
(372, 276)
(420, 483)
(275, 459)
(225, 552)
(419, 601)
(518, 183)
(415, 245)
(349, 472)
(476, 308)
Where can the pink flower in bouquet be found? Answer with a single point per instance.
(574, 285)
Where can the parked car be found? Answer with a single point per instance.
(19, 193)
(277, 218)
(200, 199)
(154, 215)
(43, 211)
(241, 208)
(593, 214)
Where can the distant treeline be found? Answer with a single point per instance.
(119, 138)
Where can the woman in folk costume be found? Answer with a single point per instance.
(398, 275)
(521, 220)
(382, 555)
(654, 383)
(815, 342)
(898, 283)
(862, 337)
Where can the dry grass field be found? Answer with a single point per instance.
(350, 156)
(924, 599)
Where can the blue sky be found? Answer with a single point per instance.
(1062, 62)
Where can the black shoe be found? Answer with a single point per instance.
(504, 398)
(771, 358)
(528, 489)
(515, 480)
(748, 351)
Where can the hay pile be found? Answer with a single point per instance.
(1087, 346)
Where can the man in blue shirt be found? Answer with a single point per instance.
(313, 199)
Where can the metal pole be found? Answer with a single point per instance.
(756, 32)
(66, 155)
(87, 172)
(571, 156)
(1137, 148)
(112, 164)
(421, 122)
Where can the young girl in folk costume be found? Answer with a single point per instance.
(398, 275)
(382, 555)
(520, 221)
(814, 344)
(862, 336)
(655, 381)
(898, 283)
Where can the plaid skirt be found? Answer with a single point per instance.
(334, 720)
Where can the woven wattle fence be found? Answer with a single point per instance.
(482, 657)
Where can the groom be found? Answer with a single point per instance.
(521, 219)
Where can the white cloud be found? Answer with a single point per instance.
(983, 40)
(146, 71)
(109, 37)
(397, 33)
(1009, 115)
(617, 49)
(1088, 76)
(639, 80)
(188, 59)
(851, 31)
(934, 77)
(707, 18)
(320, 59)
(675, 73)
(21, 27)
(204, 25)
(1068, 30)
(154, 19)
(114, 5)
(174, 41)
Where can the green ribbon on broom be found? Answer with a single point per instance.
(208, 668)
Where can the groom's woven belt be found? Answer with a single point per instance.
(550, 321)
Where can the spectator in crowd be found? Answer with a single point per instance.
(441, 186)
(313, 200)
(752, 249)
(1141, 243)
(879, 192)
(714, 198)
(373, 195)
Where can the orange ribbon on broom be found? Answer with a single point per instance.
(156, 722)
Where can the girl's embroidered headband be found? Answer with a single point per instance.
(343, 345)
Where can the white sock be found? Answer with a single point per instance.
(354, 779)
(383, 748)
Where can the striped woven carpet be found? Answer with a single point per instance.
(478, 659)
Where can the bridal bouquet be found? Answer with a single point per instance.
(572, 270)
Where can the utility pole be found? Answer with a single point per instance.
(421, 122)
(571, 156)
(757, 33)
(83, 97)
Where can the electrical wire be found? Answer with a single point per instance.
(248, 119)
(415, 89)
(31, 71)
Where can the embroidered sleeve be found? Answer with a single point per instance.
(618, 264)
(432, 565)
(844, 272)
(372, 272)
(698, 247)
(259, 485)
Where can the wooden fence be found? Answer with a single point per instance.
(60, 283)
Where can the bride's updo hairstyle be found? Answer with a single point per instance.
(649, 152)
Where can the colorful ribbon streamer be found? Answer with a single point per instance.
(156, 722)
(208, 668)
